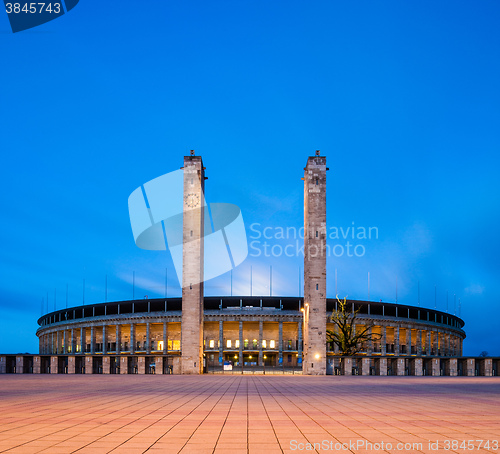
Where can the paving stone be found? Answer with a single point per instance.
(251, 414)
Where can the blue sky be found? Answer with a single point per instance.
(403, 99)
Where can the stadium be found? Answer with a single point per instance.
(196, 334)
(248, 333)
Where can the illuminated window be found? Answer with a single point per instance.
(228, 343)
(160, 345)
(272, 344)
(264, 343)
(211, 343)
(237, 344)
(177, 345)
(245, 343)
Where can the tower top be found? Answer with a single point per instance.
(191, 152)
(317, 152)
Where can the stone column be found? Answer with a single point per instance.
(315, 266)
(141, 365)
(159, 365)
(148, 338)
(106, 365)
(370, 341)
(365, 366)
(400, 366)
(382, 366)
(436, 367)
(72, 341)
(471, 367)
(118, 338)
(383, 340)
(346, 366)
(83, 343)
(408, 341)
(19, 364)
(435, 343)
(419, 342)
(58, 342)
(132, 338)
(123, 365)
(71, 364)
(452, 369)
(165, 338)
(261, 335)
(240, 358)
(396, 340)
(300, 340)
(89, 365)
(92, 340)
(54, 369)
(416, 367)
(193, 220)
(428, 345)
(221, 341)
(64, 345)
(486, 367)
(36, 365)
(104, 342)
(280, 343)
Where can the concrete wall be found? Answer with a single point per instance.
(365, 365)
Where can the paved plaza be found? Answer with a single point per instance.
(247, 414)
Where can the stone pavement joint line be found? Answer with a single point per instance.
(246, 414)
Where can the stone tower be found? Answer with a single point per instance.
(314, 362)
(192, 266)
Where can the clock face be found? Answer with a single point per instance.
(192, 200)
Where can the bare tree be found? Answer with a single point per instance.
(349, 340)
